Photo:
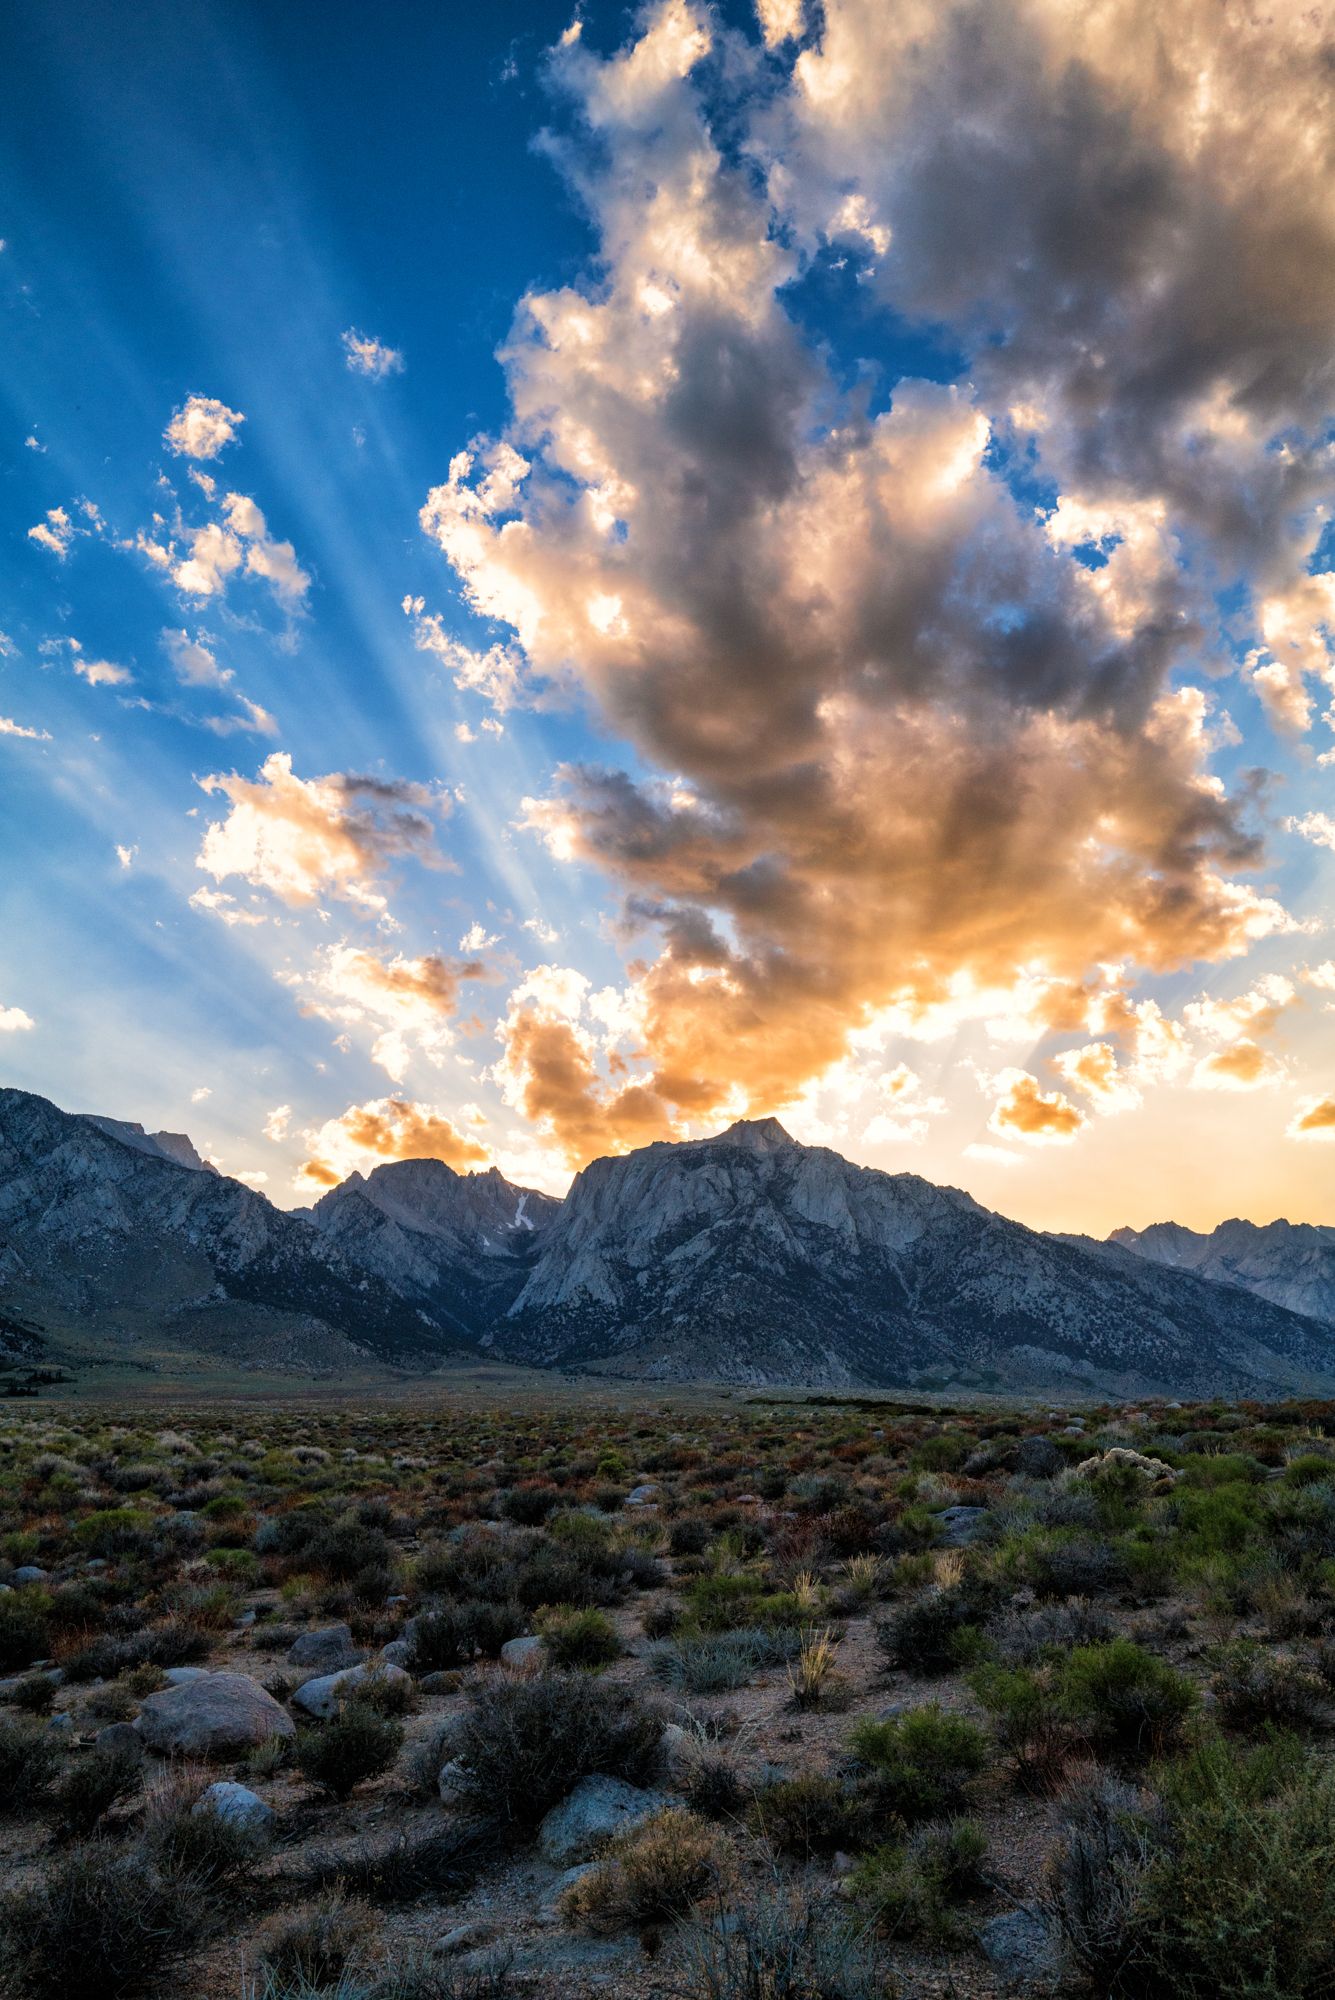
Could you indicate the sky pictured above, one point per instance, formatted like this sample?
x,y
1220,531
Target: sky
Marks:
x,y
566,578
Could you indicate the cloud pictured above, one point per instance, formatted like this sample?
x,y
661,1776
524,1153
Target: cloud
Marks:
x,y
412,1001
8,727
202,427
368,356
102,673
277,1122
895,736
56,533
240,541
1254,1012
1024,1111
993,1156
196,665
302,838
1243,1065
1314,1119
219,904
14,1021
780,20
497,674
203,1091
1096,1072
126,855
386,1128
1318,827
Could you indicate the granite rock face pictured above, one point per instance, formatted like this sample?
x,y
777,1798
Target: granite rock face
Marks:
x,y
1290,1263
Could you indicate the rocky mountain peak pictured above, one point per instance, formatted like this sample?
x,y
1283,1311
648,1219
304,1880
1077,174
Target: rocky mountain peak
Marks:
x,y
757,1135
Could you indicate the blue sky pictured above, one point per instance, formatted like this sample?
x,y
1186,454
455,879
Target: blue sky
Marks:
x,y
217,203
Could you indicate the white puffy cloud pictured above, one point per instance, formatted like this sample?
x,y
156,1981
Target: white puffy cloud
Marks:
x,y
126,855
102,673
13,1021
239,542
302,838
56,533
1318,827
410,1002
202,427
8,727
368,356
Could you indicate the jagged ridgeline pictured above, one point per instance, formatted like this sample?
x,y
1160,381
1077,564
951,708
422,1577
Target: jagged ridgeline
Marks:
x,y
744,1258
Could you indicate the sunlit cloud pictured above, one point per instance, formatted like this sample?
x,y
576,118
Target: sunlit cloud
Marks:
x,y
8,727
1314,1119
13,1021
386,1128
1025,1111
202,427
368,356
302,838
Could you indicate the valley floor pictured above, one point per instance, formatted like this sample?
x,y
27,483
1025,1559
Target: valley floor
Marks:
x,y
906,1701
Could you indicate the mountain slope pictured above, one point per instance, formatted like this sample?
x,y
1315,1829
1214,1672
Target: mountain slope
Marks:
x,y
102,1230
750,1258
1290,1263
461,1244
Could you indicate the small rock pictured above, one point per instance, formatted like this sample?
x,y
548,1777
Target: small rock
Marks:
x,y
120,1736
1022,1948
30,1573
328,1651
597,1809
320,1697
640,1496
237,1805
212,1715
246,1619
526,1652
549,1909
397,1653
61,1722
464,1937
452,1780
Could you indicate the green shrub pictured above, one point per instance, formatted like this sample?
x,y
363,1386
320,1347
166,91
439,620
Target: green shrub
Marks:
x,y
812,1813
30,1757
1255,1690
580,1638
450,1635
783,1946
116,1531
355,1744
101,1923
312,1948
653,1873
525,1743
94,1782
911,1887
25,1628
935,1633
1223,1891
920,1762
1123,1699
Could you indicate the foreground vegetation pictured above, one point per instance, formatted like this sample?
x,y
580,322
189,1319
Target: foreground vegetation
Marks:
x,y
859,1701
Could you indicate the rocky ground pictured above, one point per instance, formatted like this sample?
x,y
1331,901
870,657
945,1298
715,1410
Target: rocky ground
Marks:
x,y
752,1703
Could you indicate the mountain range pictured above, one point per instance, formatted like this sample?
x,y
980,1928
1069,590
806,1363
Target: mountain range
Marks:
x,y
747,1258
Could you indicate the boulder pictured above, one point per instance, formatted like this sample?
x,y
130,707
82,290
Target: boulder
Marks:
x,y
179,1677
527,1653
1022,1949
30,1573
120,1736
238,1806
641,1496
398,1653
215,1715
321,1697
328,1651
598,1809
960,1525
